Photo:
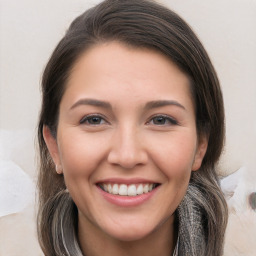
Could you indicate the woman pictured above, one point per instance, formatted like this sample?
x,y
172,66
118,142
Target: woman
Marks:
x,y
131,127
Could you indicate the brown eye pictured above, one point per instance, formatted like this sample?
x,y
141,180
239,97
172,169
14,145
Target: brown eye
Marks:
x,y
163,120
93,120
159,120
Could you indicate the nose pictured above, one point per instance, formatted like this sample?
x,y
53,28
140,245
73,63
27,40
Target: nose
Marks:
x,y
127,149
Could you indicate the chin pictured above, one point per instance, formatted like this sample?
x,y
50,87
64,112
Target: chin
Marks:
x,y
129,233
131,236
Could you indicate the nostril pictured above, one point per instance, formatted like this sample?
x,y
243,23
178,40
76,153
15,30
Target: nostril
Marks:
x,y
127,158
252,200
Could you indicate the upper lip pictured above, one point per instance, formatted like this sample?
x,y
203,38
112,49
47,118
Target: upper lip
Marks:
x,y
126,181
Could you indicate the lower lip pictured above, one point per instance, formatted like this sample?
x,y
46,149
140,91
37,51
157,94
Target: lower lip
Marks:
x,y
127,201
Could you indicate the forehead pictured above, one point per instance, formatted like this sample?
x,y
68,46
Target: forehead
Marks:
x,y
114,67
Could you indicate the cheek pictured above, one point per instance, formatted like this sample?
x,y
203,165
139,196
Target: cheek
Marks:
x,y
80,154
176,157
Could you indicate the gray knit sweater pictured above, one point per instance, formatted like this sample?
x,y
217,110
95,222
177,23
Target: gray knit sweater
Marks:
x,y
191,234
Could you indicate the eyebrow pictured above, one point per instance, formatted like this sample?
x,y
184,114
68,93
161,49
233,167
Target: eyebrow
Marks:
x,y
92,102
104,104
162,103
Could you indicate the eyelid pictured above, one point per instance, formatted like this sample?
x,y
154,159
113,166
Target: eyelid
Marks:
x,y
86,117
172,120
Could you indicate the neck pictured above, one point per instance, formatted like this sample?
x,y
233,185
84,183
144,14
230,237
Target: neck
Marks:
x,y
94,241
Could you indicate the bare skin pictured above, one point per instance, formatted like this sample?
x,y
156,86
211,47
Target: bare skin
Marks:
x,y
110,246
127,116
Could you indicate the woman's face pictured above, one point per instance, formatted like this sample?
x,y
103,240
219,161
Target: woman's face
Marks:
x,y
126,140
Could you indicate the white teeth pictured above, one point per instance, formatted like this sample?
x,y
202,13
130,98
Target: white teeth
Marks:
x,y
123,190
145,188
115,189
127,190
132,190
140,189
109,188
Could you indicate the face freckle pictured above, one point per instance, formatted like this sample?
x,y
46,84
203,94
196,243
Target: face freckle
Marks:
x,y
127,118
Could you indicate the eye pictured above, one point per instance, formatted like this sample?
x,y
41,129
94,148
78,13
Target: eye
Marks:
x,y
162,120
93,120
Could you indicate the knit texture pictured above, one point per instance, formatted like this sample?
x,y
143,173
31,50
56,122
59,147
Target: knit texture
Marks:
x,y
191,234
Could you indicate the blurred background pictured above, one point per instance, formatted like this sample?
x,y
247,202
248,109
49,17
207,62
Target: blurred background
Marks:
x,y
30,30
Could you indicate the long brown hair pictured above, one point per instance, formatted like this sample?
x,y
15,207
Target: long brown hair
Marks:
x,y
145,24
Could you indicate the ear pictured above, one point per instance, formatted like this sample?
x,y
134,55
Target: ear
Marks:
x,y
200,152
52,146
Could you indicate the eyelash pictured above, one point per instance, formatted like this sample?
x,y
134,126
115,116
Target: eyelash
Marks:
x,y
166,118
87,119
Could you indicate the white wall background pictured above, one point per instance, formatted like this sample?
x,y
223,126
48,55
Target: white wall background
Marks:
x,y
29,31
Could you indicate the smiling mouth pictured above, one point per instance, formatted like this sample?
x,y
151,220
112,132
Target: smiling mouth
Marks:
x,y
128,190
